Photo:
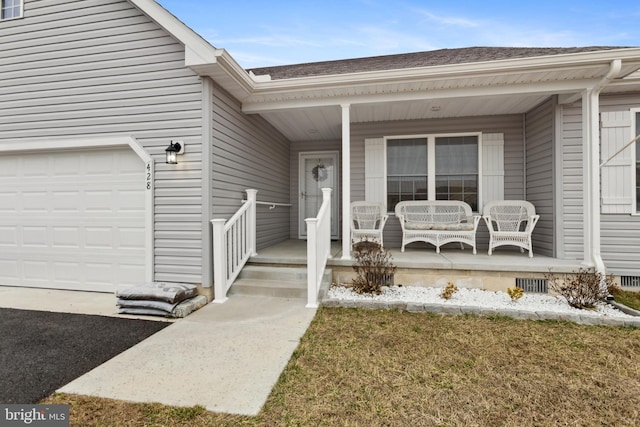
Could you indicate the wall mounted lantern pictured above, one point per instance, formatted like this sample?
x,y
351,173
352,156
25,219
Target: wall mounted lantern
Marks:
x,y
174,148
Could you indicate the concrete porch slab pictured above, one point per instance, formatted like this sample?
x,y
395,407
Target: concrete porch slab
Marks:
x,y
293,252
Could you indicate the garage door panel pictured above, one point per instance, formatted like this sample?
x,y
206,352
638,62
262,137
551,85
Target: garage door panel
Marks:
x,y
72,220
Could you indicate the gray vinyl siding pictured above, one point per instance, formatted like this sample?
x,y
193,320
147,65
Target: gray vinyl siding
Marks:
x,y
294,167
572,232
249,153
620,233
540,178
101,67
510,125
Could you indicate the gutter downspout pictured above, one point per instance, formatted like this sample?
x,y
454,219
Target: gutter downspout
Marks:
x,y
591,174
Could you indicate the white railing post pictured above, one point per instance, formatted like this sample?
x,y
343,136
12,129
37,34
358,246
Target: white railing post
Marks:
x,y
251,199
312,262
318,247
219,261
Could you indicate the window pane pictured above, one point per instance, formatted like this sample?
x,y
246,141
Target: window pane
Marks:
x,y
407,156
400,188
10,9
406,170
457,154
457,169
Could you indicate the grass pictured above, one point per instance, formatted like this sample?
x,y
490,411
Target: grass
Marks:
x,y
359,367
629,298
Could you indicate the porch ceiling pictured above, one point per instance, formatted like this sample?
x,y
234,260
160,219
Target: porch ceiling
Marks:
x,y
324,123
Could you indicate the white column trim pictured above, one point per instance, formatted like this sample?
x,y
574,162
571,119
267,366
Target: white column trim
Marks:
x,y
591,178
346,181
207,198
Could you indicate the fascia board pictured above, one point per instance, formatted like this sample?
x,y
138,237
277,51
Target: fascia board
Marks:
x,y
200,55
300,101
175,27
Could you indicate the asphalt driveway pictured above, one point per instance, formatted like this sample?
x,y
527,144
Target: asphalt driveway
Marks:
x,y
42,351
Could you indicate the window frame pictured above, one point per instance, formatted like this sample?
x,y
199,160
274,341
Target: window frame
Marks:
x,y
431,162
20,14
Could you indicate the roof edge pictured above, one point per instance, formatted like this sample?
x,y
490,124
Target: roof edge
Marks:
x,y
501,65
200,55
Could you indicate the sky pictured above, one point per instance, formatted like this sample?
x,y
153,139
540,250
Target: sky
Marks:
x,y
266,33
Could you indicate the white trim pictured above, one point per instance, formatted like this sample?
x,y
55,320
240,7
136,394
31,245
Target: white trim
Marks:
x,y
21,15
346,181
634,113
559,226
56,144
206,186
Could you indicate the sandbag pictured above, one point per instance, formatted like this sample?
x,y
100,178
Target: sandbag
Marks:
x,y
159,291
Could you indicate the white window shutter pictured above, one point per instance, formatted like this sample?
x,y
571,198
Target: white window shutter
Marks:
x,y
492,167
374,170
616,176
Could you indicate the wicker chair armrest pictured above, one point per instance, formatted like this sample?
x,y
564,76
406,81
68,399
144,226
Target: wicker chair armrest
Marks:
x,y
531,223
489,222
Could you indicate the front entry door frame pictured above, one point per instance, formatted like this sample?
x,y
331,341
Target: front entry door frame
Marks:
x,y
335,194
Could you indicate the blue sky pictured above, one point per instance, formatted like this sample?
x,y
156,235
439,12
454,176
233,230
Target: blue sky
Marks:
x,y
265,33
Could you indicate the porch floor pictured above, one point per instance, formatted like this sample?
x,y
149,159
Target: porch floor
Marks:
x,y
293,252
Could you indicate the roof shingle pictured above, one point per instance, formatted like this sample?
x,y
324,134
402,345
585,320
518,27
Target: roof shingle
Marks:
x,y
416,59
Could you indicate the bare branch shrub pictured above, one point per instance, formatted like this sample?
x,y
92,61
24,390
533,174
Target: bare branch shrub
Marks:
x,y
373,267
583,289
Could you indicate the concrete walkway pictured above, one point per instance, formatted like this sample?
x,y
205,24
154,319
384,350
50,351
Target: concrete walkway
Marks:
x,y
225,357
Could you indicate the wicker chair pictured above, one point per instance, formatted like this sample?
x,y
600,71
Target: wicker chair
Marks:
x,y
510,222
367,221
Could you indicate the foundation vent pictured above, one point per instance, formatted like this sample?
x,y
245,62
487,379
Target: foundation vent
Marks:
x,y
537,286
630,281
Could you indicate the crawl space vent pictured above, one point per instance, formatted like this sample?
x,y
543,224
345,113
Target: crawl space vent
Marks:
x,y
538,286
630,281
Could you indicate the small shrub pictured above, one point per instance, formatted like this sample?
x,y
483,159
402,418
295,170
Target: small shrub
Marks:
x,y
515,293
373,267
448,291
584,289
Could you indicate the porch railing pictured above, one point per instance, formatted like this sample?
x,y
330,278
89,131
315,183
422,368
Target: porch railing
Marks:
x,y
318,247
234,241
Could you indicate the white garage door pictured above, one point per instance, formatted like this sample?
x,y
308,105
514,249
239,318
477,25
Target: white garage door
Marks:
x,y
72,219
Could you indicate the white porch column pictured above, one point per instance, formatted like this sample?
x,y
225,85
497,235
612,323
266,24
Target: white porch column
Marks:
x,y
591,175
252,196
346,181
591,167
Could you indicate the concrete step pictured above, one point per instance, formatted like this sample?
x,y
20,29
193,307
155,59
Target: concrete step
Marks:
x,y
273,281
288,274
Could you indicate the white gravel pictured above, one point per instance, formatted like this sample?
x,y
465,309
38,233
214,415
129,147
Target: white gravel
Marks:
x,y
476,298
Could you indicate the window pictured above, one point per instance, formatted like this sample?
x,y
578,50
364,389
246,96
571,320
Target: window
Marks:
x,y
10,9
433,168
406,170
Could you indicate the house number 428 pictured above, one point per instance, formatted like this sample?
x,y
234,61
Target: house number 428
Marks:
x,y
148,175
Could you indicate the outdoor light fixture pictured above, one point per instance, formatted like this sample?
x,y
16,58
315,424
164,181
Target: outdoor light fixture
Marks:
x,y
174,148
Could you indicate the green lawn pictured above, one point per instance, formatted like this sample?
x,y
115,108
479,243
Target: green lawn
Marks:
x,y
358,367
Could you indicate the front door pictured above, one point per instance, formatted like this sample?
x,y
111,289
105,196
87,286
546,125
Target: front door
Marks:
x,y
317,170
